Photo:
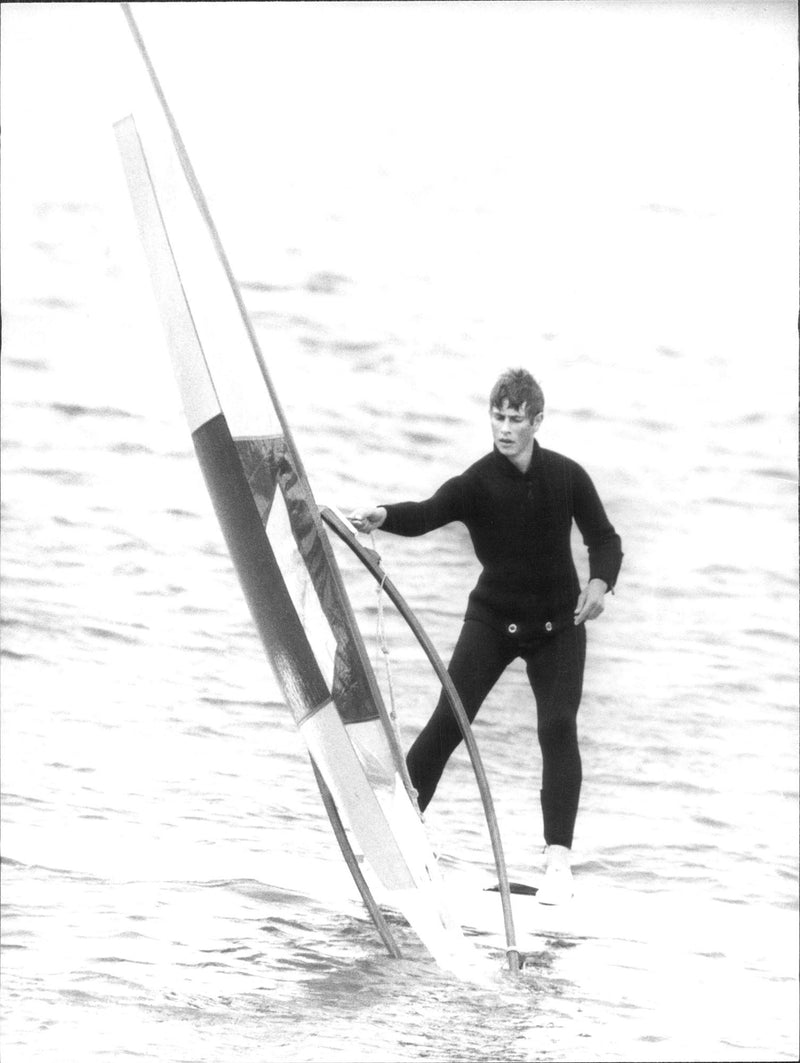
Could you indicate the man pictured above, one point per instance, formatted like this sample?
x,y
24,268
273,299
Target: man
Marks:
x,y
518,504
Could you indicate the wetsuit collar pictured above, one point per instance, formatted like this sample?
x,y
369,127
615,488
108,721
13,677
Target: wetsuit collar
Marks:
x,y
508,468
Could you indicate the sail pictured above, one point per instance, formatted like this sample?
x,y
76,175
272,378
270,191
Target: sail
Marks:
x,y
275,536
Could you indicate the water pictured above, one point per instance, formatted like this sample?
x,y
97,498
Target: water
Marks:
x,y
415,196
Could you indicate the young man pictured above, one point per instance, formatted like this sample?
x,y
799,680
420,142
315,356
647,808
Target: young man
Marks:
x,y
518,504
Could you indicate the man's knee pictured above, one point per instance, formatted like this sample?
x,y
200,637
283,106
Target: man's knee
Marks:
x,y
559,731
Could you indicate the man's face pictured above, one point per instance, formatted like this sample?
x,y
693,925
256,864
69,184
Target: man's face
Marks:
x,y
513,432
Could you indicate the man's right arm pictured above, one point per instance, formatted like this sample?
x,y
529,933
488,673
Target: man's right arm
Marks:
x,y
414,518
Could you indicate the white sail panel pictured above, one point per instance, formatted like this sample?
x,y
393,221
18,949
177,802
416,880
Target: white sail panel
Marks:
x,y
330,746
194,381
217,316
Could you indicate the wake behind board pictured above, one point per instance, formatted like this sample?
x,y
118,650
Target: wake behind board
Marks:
x,y
476,906
596,910
272,526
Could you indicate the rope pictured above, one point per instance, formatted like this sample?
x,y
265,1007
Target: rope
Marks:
x,y
382,644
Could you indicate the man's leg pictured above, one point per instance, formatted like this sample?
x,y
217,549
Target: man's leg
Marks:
x,y
480,657
555,670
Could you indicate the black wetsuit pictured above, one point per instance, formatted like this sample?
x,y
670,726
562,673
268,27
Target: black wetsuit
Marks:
x,y
521,606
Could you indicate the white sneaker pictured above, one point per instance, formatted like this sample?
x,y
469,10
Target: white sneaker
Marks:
x,y
556,886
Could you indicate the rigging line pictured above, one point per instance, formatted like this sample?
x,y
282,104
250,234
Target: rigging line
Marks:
x,y
382,642
383,646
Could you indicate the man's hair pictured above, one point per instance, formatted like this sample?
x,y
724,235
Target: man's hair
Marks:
x,y
518,388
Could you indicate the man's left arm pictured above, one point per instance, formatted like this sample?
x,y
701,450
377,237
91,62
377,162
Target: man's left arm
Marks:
x,y
602,542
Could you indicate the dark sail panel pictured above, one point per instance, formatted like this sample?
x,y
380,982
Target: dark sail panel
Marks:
x,y
265,463
262,581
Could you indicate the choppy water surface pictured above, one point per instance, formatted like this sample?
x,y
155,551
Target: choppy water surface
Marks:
x,y
171,890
